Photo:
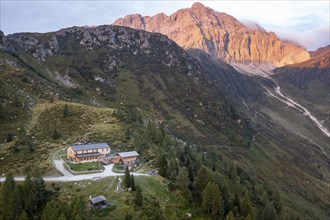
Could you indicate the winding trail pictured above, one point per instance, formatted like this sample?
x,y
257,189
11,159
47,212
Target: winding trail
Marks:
x,y
68,177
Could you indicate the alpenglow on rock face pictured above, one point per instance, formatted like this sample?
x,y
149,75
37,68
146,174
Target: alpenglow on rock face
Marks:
x,y
220,35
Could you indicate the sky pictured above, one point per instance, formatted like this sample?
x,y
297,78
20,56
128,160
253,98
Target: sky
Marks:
x,y
304,22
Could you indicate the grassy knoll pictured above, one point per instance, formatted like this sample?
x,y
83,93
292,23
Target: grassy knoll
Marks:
x,y
84,123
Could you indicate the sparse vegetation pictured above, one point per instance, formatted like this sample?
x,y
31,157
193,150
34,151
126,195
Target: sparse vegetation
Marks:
x,y
215,158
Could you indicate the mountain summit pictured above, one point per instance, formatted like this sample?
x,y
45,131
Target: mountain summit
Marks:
x,y
220,35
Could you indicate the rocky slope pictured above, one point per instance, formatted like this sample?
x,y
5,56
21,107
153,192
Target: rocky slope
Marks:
x,y
113,66
308,82
220,35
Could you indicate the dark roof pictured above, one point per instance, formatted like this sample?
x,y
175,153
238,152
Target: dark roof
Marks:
x,y
129,154
89,154
89,146
98,199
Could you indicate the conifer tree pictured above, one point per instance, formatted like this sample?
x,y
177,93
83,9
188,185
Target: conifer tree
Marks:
x,y
127,134
78,209
132,183
246,205
201,181
22,134
277,201
65,111
182,180
172,170
236,204
23,216
15,204
230,216
56,134
9,137
162,165
7,193
127,178
226,199
212,203
138,198
217,203
233,173
269,212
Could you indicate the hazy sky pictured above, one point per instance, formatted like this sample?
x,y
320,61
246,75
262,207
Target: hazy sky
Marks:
x,y
306,22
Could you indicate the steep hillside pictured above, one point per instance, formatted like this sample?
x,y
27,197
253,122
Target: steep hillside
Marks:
x,y
220,35
153,85
309,82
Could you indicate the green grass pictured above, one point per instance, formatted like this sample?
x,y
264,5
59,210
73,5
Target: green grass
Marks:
x,y
154,187
90,166
84,123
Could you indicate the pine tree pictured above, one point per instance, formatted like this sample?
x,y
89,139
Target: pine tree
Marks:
x,y
56,134
230,216
182,180
15,204
233,173
65,111
201,181
7,193
23,216
138,198
162,165
212,203
9,137
172,170
21,134
269,212
246,205
30,196
132,183
127,178
207,199
217,203
226,199
127,134
128,216
236,204
16,101
277,201
78,209
248,217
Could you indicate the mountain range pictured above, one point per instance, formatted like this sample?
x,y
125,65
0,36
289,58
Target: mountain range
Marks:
x,y
220,35
229,91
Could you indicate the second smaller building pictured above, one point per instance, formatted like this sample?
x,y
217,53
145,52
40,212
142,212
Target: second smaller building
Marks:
x,y
128,158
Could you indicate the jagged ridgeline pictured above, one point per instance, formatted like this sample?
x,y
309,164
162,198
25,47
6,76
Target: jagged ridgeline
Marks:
x,y
113,66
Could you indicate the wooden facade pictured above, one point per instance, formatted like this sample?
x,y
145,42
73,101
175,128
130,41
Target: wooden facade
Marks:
x,y
81,153
128,158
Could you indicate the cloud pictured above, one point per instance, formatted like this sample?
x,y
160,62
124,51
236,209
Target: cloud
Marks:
x,y
311,39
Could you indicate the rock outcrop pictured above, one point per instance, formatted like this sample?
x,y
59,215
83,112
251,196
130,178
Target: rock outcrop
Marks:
x,y
220,35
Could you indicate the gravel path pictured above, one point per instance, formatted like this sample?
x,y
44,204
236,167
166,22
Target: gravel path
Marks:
x,y
67,176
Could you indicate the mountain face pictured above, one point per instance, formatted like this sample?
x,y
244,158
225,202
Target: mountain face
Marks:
x,y
220,35
118,67
109,65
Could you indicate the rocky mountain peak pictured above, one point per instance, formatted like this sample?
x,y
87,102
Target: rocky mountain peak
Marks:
x,y
220,35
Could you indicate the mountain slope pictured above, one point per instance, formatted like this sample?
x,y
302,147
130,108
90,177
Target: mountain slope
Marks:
x,y
220,35
137,71
309,82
